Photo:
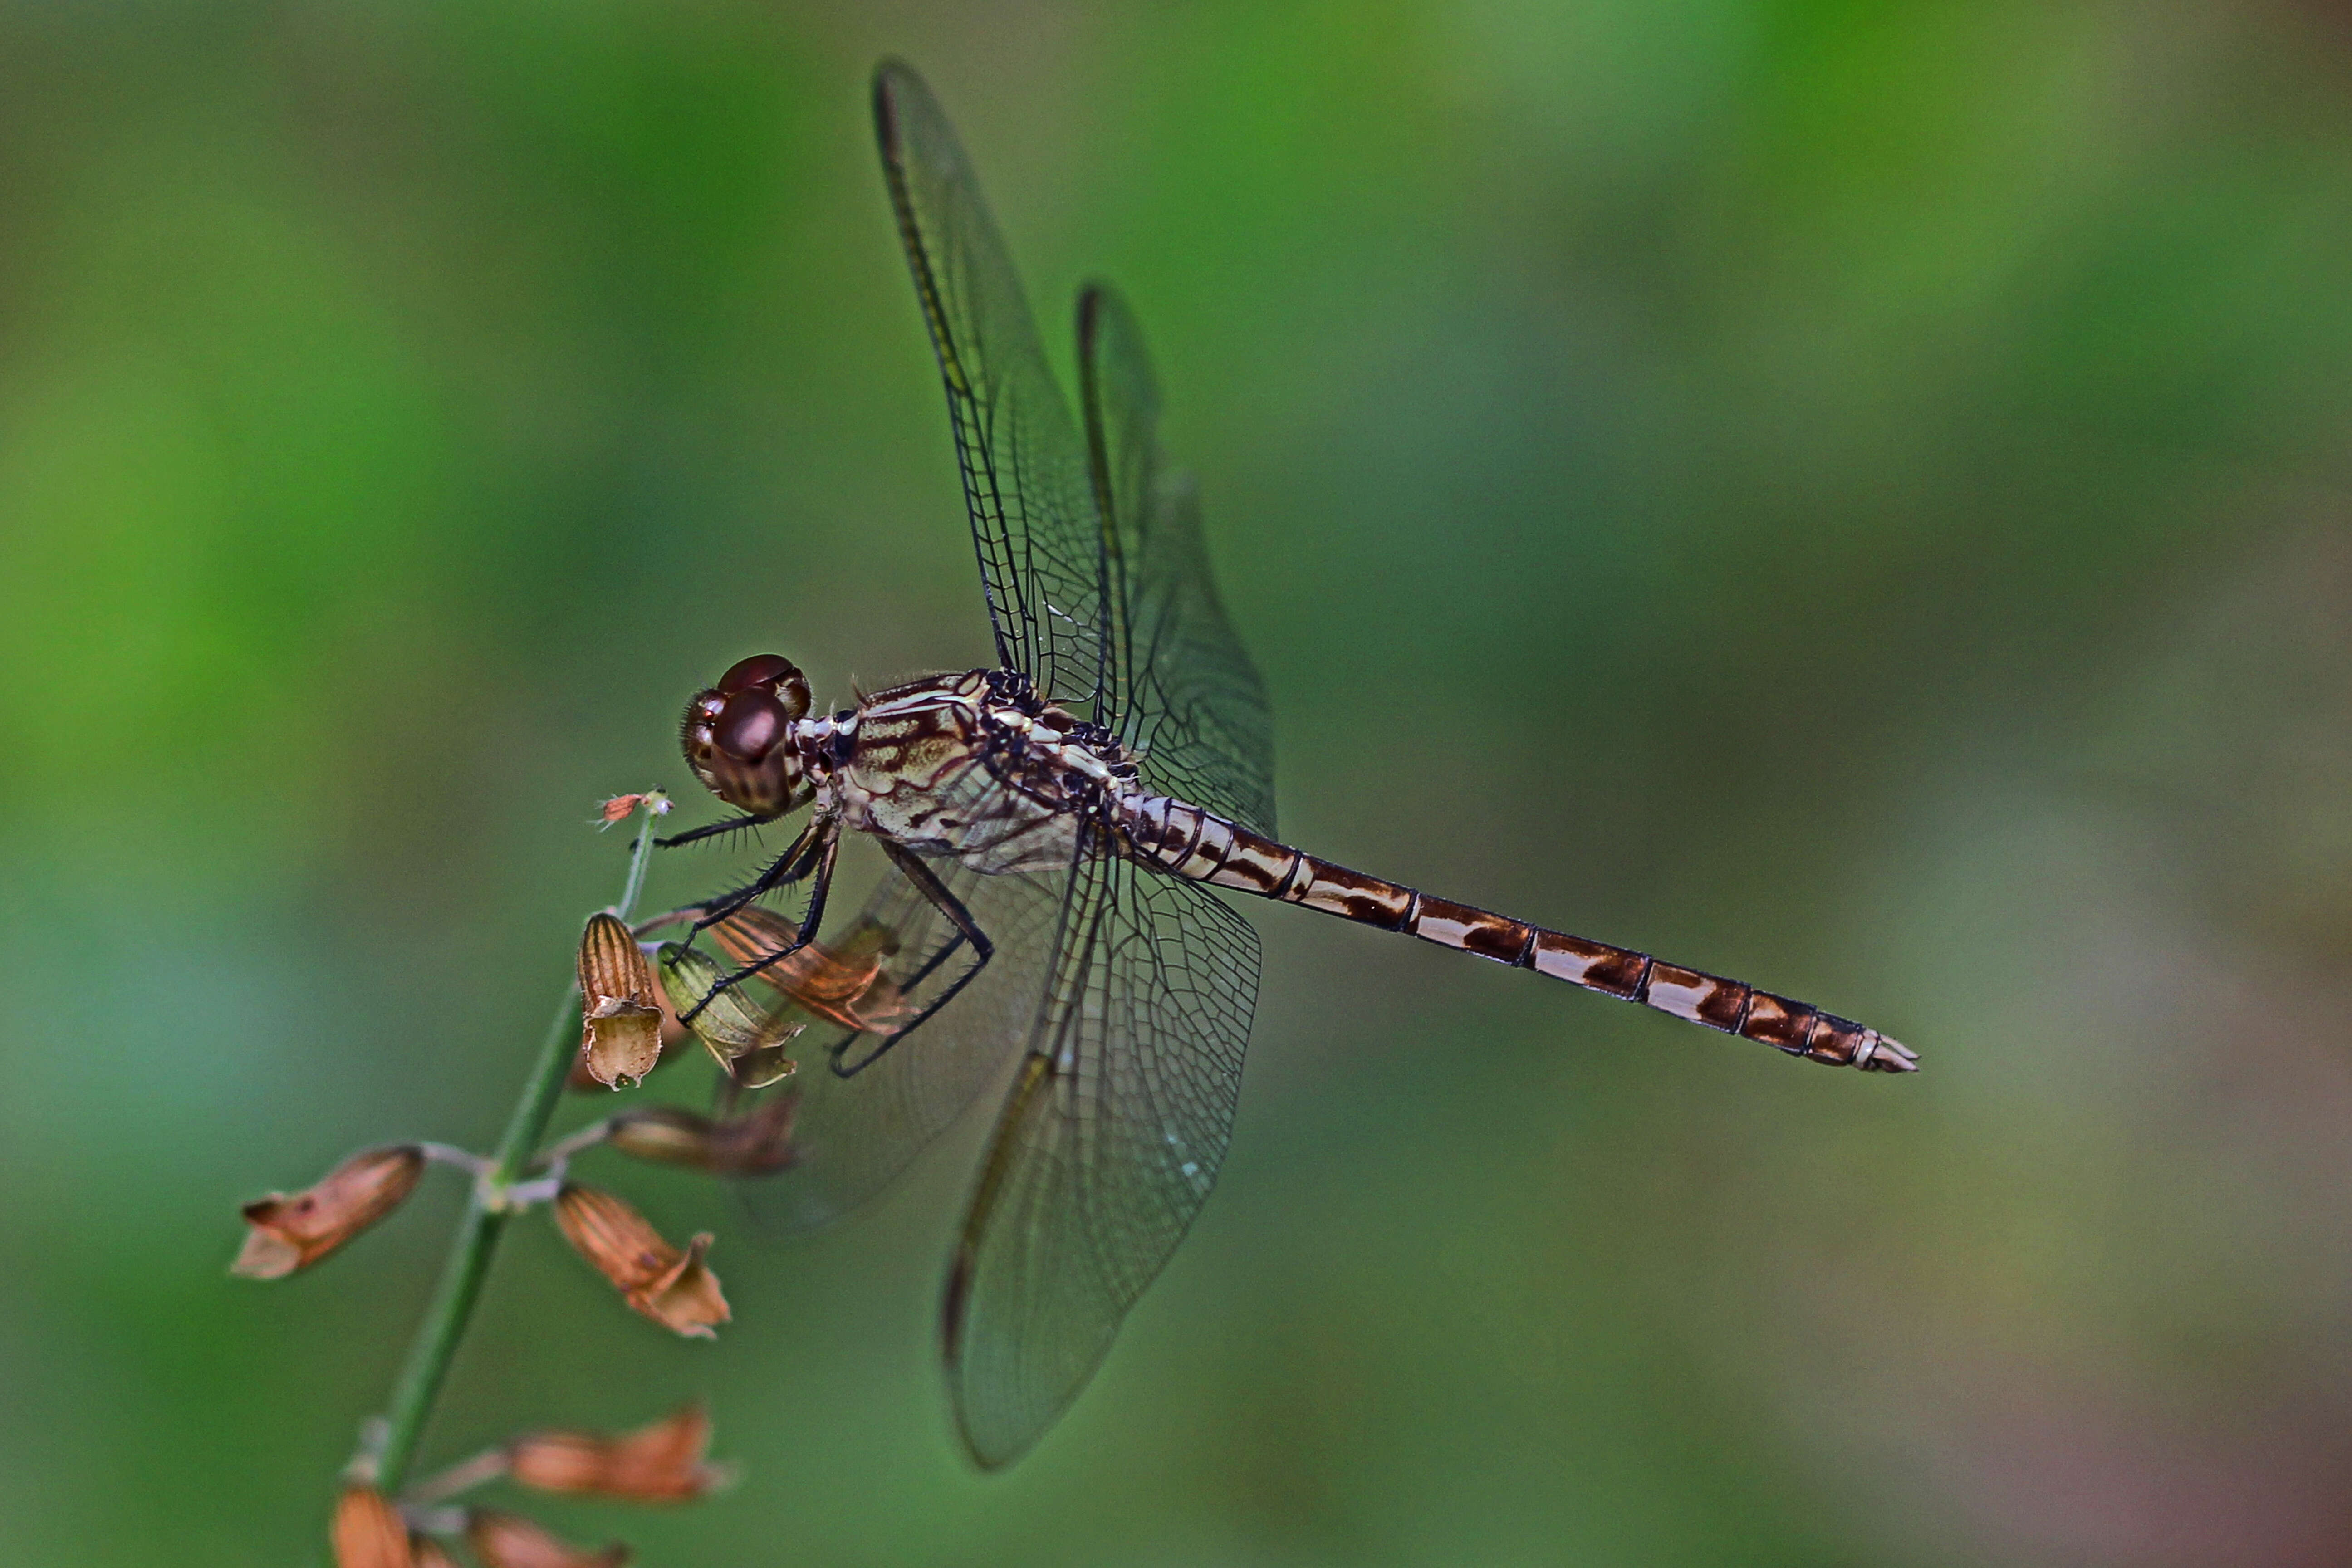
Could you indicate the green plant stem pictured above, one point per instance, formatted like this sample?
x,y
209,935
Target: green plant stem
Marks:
x,y
383,1460
443,1328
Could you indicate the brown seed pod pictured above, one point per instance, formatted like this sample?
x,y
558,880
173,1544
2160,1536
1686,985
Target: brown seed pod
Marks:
x,y
621,1013
510,1541
661,1463
755,1143
368,1532
672,1288
843,983
289,1231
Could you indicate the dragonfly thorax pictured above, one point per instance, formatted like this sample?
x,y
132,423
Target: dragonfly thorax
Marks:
x,y
972,765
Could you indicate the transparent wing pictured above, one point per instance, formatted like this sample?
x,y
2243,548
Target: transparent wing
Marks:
x,y
852,1135
1187,695
1025,470
1110,1141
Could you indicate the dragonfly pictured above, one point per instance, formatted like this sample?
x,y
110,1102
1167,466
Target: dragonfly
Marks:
x,y
1051,829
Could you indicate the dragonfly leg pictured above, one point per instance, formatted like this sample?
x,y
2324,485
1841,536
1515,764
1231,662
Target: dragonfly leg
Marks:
x,y
795,864
821,853
711,830
927,882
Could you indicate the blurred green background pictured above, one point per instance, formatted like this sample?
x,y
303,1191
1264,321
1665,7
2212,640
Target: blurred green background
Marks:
x,y
1852,496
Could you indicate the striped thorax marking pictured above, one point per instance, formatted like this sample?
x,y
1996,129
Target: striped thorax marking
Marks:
x,y
971,766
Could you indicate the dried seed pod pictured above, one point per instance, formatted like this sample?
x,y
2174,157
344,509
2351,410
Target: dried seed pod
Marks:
x,y
661,1463
732,1025
510,1541
620,1015
764,1067
675,1037
287,1231
752,1144
758,1142
685,1300
672,1288
368,1532
665,1134
842,984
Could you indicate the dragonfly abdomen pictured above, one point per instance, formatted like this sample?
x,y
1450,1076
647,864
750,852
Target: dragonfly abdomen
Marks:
x,y
1187,841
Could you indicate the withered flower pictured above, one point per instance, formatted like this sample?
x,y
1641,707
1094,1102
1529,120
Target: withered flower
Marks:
x,y
660,1463
509,1540
665,1134
291,1231
763,1067
842,984
672,1288
758,1142
731,1025
618,807
368,1532
620,1018
674,1036
755,1143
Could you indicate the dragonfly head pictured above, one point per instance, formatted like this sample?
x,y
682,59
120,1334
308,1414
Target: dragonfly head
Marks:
x,y
738,736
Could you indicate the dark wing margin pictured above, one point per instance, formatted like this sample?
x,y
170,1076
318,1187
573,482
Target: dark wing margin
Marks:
x,y
1187,695
1025,482
1108,1144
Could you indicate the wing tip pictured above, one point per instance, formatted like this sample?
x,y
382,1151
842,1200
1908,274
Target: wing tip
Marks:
x,y
1101,305
1090,309
894,79
955,1302
990,1455
987,1464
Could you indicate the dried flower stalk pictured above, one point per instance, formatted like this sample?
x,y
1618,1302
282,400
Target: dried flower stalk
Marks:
x,y
620,1024
385,1454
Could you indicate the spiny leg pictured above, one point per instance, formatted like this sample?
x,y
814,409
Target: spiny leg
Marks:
x,y
790,867
926,882
711,830
824,855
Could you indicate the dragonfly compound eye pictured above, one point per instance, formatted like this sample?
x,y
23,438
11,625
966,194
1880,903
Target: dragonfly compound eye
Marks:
x,y
750,725
734,743
772,673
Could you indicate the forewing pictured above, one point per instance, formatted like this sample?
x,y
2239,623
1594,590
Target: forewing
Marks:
x,y
852,1135
1110,1139
1188,698
1024,470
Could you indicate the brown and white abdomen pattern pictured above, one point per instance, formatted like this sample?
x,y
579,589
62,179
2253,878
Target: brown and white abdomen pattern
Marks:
x,y
1187,841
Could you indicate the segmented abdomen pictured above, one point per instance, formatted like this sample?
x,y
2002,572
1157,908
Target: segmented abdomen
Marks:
x,y
1187,841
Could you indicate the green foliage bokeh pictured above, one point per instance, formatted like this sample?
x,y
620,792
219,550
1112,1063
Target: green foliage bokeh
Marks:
x,y
1850,496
